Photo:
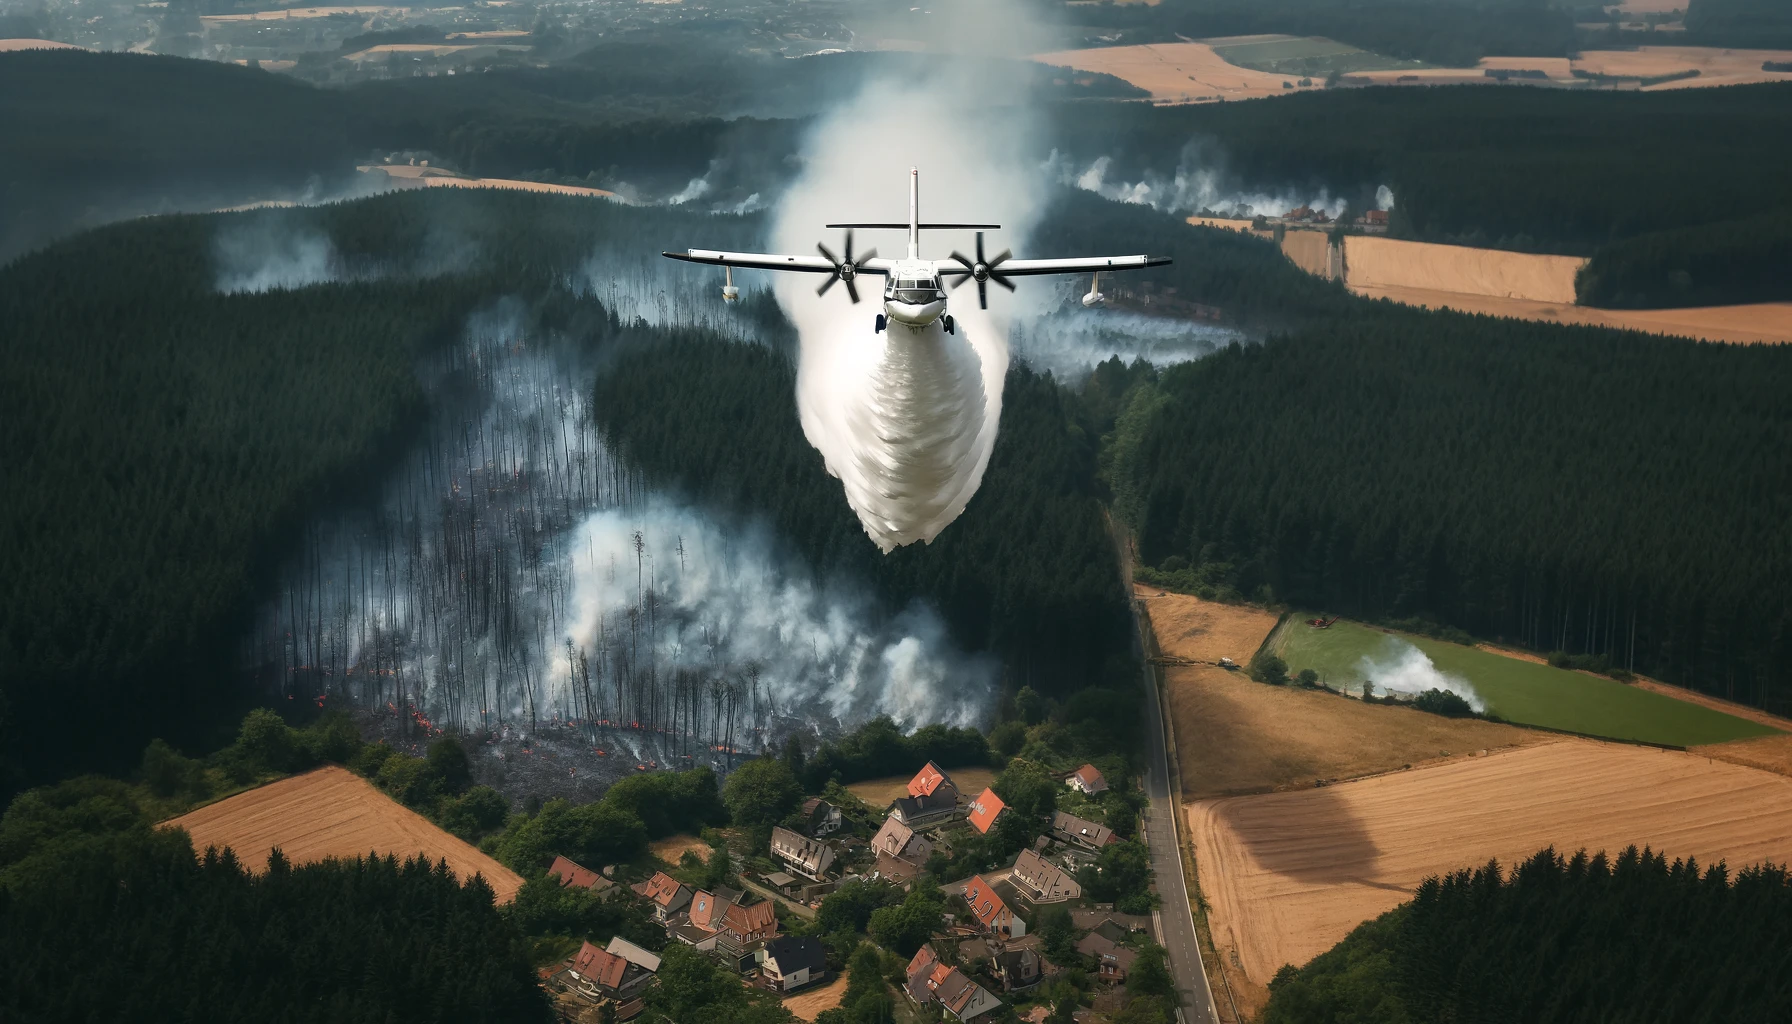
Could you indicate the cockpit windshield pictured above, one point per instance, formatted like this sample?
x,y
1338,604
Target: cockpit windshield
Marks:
x,y
916,291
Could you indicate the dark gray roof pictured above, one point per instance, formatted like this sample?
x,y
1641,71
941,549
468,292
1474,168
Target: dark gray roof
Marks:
x,y
794,953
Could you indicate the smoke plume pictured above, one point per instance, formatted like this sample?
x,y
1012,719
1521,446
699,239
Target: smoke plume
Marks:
x,y
1399,667
1200,183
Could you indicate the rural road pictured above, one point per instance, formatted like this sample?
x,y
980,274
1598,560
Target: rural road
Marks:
x,y
1177,931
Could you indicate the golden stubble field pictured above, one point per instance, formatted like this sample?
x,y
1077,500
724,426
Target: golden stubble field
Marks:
x,y
877,793
332,812
1287,875
1173,72
1371,262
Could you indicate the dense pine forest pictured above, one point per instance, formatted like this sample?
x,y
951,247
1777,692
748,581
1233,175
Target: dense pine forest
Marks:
x,y
1556,940
1568,489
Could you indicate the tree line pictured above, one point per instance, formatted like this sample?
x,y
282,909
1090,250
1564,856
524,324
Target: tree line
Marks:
x,y
1595,492
1559,939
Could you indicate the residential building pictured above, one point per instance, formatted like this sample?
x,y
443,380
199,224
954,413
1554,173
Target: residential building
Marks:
x,y
930,981
932,799
901,852
600,974
1113,962
1017,969
1042,881
570,873
743,929
807,857
1081,831
989,910
634,954
706,911
932,780
667,894
790,963
985,810
821,818
1087,781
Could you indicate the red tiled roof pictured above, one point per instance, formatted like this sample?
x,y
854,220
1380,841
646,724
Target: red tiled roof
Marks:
x,y
703,911
570,873
661,888
1090,777
758,920
923,959
599,967
926,780
985,905
985,810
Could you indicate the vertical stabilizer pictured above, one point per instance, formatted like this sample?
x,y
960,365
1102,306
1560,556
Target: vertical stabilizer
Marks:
x,y
914,213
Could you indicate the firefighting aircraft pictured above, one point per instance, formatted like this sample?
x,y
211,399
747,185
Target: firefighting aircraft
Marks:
x,y
912,292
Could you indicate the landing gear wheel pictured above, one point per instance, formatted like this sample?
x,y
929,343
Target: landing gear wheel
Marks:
x,y
881,323
951,325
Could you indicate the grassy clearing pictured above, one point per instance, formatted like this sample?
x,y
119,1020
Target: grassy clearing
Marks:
x,y
1522,692
1309,55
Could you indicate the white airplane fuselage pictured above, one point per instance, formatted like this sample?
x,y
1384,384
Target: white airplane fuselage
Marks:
x,y
912,293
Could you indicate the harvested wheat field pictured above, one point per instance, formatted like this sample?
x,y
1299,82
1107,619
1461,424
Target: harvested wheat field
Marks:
x,y
416,176
673,848
289,13
10,45
1205,631
1715,65
1310,251
809,1005
1173,72
1768,323
1372,262
1290,874
877,793
332,812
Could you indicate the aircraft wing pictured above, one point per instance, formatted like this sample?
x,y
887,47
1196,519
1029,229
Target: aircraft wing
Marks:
x,y
773,261
1077,265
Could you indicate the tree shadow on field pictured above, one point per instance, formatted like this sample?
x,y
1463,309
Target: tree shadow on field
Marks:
x,y
1310,835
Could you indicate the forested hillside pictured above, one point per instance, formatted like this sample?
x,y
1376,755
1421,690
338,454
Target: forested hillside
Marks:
x,y
1560,939
1745,260
1027,572
1566,489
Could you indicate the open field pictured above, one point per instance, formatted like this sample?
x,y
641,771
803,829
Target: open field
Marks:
x,y
332,812
1309,250
1238,736
1173,72
1523,692
1761,323
1370,262
1716,66
299,13
877,793
672,848
1289,874
1302,56
810,1004
413,176
9,45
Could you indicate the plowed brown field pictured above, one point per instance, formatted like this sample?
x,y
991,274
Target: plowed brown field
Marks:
x,y
332,812
1290,874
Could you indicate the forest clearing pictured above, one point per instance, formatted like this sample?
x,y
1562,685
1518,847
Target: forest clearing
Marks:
x,y
1172,72
877,793
1287,875
1347,654
673,848
332,812
1234,735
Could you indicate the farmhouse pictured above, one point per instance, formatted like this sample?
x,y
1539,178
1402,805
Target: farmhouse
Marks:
x,y
807,857
1042,881
932,798
1087,781
667,894
790,963
1081,831
990,911
985,810
571,874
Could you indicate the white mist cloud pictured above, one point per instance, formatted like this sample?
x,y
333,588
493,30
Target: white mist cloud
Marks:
x,y
1384,197
1200,182
1069,342
1400,667
252,255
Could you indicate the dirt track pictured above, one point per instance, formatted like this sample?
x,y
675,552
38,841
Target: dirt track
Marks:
x,y
1289,874
332,812
1174,72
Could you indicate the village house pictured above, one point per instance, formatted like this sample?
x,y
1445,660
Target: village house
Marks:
x,y
989,910
667,894
1042,881
600,974
634,954
807,857
743,929
1087,781
932,798
820,818
930,981
985,810
1113,962
901,853
571,874
790,963
1017,969
1081,831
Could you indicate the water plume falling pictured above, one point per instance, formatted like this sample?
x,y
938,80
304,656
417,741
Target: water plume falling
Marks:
x,y
1400,667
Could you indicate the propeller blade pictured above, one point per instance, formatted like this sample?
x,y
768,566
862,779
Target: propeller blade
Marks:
x,y
999,260
1004,282
827,254
849,245
870,254
829,283
982,295
852,291
980,247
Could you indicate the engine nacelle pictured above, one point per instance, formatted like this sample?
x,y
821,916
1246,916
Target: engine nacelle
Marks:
x,y
730,293
1094,298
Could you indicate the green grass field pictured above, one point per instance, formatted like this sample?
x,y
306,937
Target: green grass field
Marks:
x,y
1308,56
1521,692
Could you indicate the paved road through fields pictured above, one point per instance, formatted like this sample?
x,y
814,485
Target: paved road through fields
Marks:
x,y
1177,921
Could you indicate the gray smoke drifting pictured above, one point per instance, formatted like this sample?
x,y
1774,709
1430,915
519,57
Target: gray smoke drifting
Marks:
x,y
1399,667
256,257
1072,340
1199,184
